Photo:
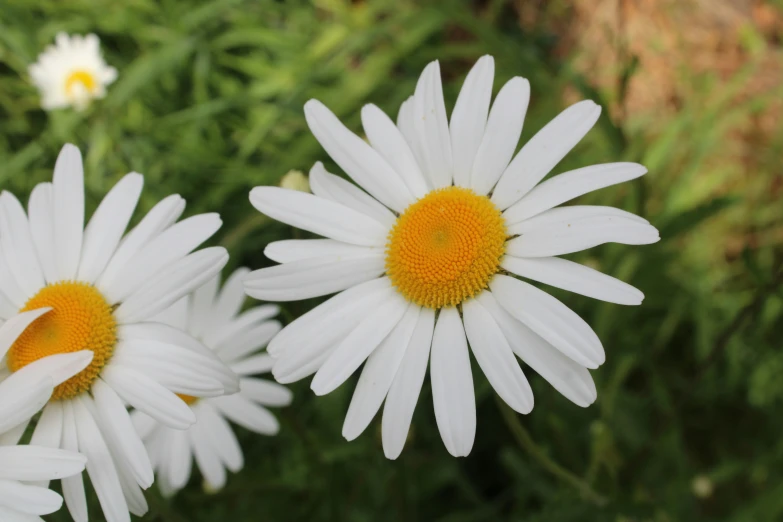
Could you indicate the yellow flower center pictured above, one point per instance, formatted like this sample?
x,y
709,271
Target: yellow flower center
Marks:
x,y
187,399
445,247
80,319
83,78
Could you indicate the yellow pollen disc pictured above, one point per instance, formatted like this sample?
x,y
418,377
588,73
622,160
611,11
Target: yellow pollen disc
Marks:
x,y
445,247
80,319
187,399
84,78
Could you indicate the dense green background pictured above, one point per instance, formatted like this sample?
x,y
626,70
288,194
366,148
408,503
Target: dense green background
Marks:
x,y
209,104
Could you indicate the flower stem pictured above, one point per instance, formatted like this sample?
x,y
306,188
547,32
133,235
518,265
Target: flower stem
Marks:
x,y
527,443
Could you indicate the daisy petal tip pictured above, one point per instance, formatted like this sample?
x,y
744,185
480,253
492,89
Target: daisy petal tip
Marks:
x,y
391,455
314,109
319,387
349,434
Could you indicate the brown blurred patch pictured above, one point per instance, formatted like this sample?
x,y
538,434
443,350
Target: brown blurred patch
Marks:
x,y
678,44
671,38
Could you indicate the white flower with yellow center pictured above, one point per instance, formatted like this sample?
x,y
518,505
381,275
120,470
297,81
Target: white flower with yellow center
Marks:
x,y
425,256
72,72
22,395
69,288
214,318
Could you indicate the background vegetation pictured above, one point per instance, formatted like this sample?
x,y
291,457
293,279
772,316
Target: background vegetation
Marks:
x,y
689,415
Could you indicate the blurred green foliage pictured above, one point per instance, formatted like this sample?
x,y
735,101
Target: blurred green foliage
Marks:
x,y
208,104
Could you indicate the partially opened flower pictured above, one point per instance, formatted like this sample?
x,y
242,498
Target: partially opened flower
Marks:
x,y
213,316
22,395
72,72
68,288
425,252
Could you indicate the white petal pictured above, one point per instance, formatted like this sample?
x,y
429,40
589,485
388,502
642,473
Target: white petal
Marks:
x,y
68,199
334,188
544,151
247,414
358,345
49,430
59,367
180,459
117,422
570,214
387,139
405,124
18,248
378,374
171,284
29,396
100,466
230,299
207,459
32,386
312,277
171,246
223,337
175,315
452,384
143,424
307,327
495,357
550,319
158,219
11,290
148,396
405,389
33,463
107,225
265,393
357,158
162,333
32,500
221,437
254,365
13,327
567,377
318,215
289,250
469,118
11,515
200,306
579,233
309,341
574,277
248,342
7,308
432,127
41,210
570,185
175,367
14,435
73,486
501,136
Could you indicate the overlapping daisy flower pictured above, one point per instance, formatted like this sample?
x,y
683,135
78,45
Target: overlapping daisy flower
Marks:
x,y
66,288
214,317
72,72
428,251
22,497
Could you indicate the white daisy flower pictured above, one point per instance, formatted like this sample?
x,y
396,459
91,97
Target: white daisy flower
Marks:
x,y
68,288
21,396
72,72
213,316
425,257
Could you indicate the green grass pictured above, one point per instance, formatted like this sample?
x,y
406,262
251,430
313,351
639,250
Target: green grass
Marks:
x,y
209,104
